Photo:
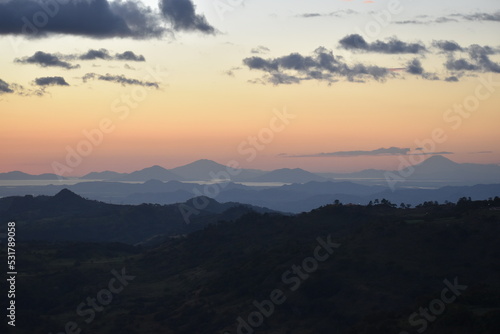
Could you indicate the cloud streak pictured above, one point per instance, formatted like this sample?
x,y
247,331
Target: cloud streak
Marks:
x,y
120,79
356,42
478,17
391,151
104,54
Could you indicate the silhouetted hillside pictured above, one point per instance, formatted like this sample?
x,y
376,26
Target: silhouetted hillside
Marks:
x,y
69,217
379,267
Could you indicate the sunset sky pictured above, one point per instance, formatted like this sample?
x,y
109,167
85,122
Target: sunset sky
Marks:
x,y
172,81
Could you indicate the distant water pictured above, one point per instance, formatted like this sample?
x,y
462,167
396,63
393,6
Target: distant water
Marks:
x,y
248,184
70,182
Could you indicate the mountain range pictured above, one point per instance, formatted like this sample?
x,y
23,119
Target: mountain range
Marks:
x,y
434,171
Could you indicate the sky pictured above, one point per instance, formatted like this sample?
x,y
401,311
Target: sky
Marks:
x,y
324,85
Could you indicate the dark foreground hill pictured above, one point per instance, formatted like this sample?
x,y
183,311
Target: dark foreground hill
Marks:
x,y
70,217
337,269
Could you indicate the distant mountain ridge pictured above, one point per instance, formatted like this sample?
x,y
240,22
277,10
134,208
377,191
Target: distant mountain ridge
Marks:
x,y
434,168
20,176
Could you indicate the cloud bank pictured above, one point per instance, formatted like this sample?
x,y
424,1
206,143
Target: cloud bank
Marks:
x,y
356,42
99,18
321,65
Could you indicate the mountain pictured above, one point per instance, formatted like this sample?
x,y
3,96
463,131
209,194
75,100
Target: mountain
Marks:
x,y
199,170
20,176
206,170
287,175
439,167
70,217
437,164
154,172
432,172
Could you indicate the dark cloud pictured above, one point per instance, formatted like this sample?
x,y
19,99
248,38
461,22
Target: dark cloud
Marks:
x,y
104,54
393,46
95,54
260,49
451,79
51,81
94,18
121,79
478,60
460,65
5,87
480,55
414,66
181,14
46,60
130,56
139,18
322,66
447,46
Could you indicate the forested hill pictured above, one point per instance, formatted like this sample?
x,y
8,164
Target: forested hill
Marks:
x,y
339,268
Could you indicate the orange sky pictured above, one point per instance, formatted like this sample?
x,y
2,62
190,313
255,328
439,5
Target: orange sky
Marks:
x,y
201,112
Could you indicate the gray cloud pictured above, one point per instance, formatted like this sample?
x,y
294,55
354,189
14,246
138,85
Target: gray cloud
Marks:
x,y
338,13
415,67
46,60
480,17
95,19
356,42
5,87
95,54
260,49
130,56
140,19
452,79
181,14
447,46
378,152
481,152
51,81
478,60
121,79
105,55
322,66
